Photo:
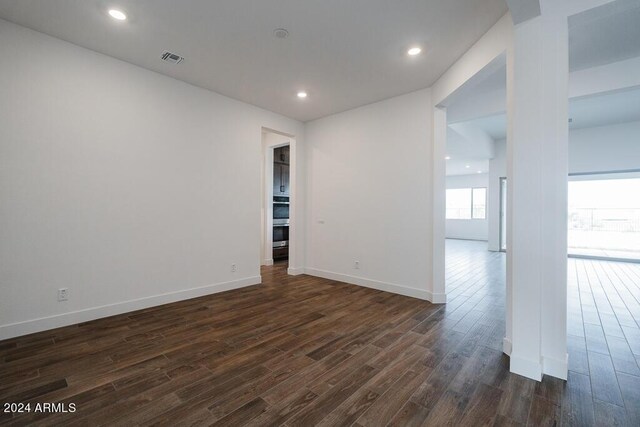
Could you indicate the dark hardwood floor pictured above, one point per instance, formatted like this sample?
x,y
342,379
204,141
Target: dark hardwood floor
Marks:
x,y
309,351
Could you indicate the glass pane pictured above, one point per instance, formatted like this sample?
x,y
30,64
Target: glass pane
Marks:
x,y
604,218
479,203
459,203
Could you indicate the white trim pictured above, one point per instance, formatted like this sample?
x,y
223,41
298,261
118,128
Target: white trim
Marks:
x,y
267,262
438,298
506,346
555,368
65,319
375,284
526,367
295,271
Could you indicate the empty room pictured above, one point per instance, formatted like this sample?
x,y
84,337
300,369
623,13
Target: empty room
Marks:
x,y
297,212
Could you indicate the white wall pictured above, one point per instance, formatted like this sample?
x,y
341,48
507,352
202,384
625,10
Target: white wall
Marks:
x,y
368,182
596,149
468,229
605,148
125,186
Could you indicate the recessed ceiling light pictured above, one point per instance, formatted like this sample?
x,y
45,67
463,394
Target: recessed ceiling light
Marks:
x,y
467,166
479,171
414,51
302,94
448,158
117,14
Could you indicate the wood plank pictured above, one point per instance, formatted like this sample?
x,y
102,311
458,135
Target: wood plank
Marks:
x,y
604,382
630,388
305,350
544,412
326,403
384,409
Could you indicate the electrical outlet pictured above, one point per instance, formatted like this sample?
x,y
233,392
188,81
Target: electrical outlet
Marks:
x,y
63,294
356,265
234,268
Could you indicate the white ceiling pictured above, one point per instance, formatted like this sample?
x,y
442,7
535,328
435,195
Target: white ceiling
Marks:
x,y
343,53
459,166
592,111
494,126
607,109
605,34
599,36
468,148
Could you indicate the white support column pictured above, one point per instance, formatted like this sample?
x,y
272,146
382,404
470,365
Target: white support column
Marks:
x,y
537,156
438,291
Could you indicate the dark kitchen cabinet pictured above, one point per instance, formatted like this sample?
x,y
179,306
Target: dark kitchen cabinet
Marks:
x,y
280,253
280,179
281,155
281,171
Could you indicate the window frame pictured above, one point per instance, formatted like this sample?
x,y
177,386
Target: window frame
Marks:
x,y
486,191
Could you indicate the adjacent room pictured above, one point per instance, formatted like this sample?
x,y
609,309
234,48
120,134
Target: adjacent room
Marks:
x,y
288,212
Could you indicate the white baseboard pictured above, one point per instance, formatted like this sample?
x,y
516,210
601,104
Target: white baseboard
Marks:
x,y
375,284
437,298
506,346
65,319
526,367
267,262
556,368
295,271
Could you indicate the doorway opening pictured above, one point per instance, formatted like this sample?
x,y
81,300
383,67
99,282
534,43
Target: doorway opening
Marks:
x,y
281,203
278,197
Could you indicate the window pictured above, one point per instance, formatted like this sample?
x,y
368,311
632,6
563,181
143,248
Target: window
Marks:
x,y
479,202
604,216
459,203
466,203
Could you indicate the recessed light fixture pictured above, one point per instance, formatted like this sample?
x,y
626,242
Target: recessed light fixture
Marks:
x,y
117,14
467,166
414,51
302,94
479,171
448,158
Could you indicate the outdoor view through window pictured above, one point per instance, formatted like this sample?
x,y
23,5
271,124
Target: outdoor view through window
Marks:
x,y
604,217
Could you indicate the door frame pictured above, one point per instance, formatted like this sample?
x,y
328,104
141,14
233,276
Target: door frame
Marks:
x,y
266,232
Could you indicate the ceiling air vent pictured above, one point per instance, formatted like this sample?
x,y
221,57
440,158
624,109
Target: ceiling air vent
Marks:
x,y
171,57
